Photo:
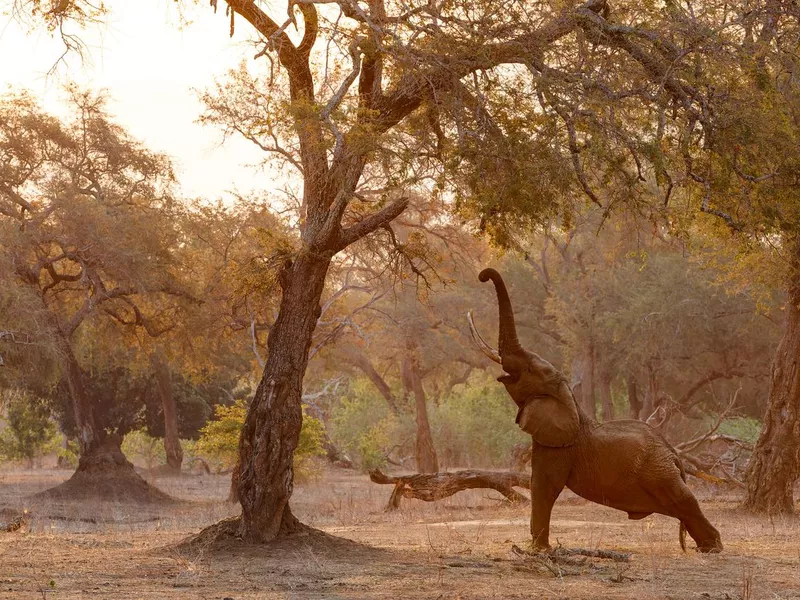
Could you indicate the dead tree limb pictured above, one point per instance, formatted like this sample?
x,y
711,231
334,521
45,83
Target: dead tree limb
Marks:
x,y
697,466
720,437
435,486
702,470
560,552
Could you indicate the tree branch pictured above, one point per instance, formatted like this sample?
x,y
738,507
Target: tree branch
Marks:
x,y
372,222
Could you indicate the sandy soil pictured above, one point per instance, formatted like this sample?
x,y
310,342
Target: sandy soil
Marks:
x,y
456,548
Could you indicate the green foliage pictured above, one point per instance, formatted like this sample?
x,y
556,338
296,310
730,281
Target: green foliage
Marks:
x,y
219,441
474,426
471,426
138,444
189,451
744,428
309,448
30,432
69,454
363,426
219,438
375,444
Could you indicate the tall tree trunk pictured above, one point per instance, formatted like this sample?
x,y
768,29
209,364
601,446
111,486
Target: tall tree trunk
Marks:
x,y
634,402
272,427
172,442
427,461
606,402
366,366
588,383
652,393
89,437
775,465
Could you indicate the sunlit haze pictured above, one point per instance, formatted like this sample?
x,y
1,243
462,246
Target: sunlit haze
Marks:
x,y
150,60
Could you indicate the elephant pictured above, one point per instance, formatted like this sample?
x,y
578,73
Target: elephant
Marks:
x,y
623,464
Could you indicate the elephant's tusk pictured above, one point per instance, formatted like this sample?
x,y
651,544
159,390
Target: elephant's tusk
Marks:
x,y
481,343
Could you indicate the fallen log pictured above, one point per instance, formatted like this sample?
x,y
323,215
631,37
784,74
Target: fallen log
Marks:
x,y
435,486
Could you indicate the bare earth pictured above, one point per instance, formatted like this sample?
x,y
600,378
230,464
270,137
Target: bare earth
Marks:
x,y
455,548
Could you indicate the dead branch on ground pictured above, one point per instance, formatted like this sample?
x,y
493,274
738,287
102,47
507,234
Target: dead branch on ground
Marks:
x,y
435,486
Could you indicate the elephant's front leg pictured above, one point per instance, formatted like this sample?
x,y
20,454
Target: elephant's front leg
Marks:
x,y
549,473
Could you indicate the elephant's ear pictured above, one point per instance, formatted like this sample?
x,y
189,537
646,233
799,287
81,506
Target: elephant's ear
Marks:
x,y
550,420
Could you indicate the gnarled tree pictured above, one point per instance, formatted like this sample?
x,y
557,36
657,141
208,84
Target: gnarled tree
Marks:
x,y
85,232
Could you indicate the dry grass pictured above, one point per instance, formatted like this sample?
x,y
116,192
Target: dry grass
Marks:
x,y
457,548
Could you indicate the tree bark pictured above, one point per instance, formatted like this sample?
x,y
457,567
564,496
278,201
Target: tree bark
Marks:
x,y
172,442
427,461
634,403
272,427
775,463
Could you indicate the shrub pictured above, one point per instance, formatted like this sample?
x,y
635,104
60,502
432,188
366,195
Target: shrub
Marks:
x,y
29,433
219,438
365,428
69,455
140,445
746,429
474,426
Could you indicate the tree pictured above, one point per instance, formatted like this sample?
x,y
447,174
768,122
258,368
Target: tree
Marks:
x,y
29,432
744,164
85,229
645,300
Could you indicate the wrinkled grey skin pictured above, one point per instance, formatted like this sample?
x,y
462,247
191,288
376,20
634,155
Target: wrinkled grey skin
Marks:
x,y
622,464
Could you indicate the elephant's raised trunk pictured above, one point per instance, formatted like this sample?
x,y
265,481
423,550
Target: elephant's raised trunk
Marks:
x,y
508,343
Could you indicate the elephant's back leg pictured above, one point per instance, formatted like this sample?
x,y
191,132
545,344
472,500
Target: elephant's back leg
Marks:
x,y
676,500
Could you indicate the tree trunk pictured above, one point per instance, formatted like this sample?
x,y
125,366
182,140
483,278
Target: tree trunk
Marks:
x,y
606,402
775,464
366,366
634,402
272,427
105,474
172,442
89,437
651,395
427,462
588,384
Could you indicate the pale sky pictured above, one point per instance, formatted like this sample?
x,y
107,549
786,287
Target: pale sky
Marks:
x,y
149,63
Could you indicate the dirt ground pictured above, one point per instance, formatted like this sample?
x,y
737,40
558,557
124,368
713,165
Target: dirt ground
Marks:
x,y
456,548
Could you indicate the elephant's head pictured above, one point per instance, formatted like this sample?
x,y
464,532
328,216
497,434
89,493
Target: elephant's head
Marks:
x,y
547,408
